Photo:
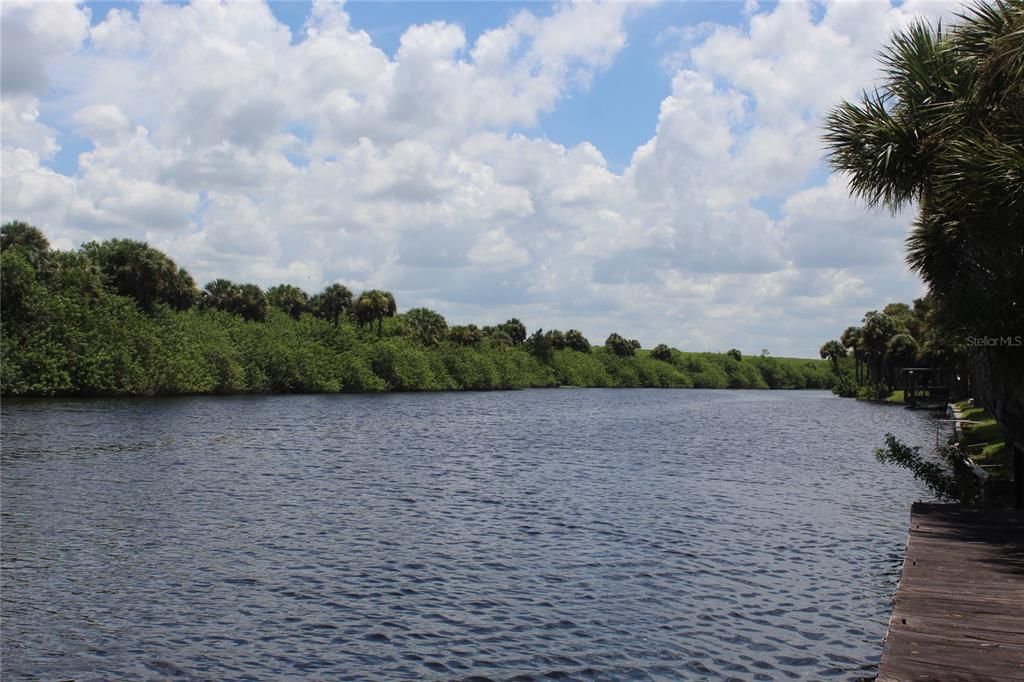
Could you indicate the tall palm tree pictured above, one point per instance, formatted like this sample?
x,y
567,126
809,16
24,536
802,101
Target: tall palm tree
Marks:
x,y
515,329
135,269
575,340
426,325
902,351
29,237
251,302
289,298
944,132
851,339
333,301
247,300
833,351
373,306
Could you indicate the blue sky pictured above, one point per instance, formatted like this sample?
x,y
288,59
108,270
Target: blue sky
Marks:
x,y
617,113
654,169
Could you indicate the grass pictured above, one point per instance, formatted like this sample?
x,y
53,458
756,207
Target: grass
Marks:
x,y
894,397
993,453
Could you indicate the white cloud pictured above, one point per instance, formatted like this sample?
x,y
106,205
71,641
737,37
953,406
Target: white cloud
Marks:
x,y
104,124
249,154
29,189
19,119
824,227
497,250
118,32
33,36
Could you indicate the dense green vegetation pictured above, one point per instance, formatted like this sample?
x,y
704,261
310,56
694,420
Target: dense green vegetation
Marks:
x,y
121,318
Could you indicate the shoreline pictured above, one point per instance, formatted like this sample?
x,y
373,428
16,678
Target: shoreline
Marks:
x,y
125,396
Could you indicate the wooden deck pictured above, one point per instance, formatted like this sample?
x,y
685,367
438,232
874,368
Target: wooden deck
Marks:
x,y
959,608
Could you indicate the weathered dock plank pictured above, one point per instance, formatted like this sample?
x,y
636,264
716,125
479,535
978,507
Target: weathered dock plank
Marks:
x,y
959,609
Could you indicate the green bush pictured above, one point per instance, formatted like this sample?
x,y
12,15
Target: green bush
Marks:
x,y
405,366
574,368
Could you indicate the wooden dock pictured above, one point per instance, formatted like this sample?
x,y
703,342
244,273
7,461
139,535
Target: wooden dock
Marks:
x,y
959,608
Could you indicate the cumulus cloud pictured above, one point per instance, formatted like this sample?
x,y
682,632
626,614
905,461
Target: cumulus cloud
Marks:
x,y
29,189
34,35
22,129
497,250
104,124
249,153
824,228
118,32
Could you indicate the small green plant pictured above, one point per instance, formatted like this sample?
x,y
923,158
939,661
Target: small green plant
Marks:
x,y
951,478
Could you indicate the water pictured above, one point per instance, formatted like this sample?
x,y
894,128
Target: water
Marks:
x,y
606,534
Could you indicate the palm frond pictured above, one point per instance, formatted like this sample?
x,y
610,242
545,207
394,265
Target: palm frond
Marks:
x,y
881,152
946,130
920,69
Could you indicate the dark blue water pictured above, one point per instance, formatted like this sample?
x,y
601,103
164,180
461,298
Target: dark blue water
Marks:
x,y
584,533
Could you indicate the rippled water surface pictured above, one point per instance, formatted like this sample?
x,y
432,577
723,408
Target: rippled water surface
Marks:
x,y
567,533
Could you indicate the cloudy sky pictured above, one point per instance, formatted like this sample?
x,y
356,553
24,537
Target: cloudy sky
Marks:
x,y
654,169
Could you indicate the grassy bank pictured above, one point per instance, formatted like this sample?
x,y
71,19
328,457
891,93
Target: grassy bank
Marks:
x,y
983,442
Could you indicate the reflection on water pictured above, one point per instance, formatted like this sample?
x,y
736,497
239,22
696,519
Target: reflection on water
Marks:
x,y
585,533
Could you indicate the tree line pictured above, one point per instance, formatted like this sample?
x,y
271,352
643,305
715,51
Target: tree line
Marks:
x,y
868,359
120,317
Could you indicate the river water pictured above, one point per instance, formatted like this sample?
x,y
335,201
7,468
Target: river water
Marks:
x,y
609,534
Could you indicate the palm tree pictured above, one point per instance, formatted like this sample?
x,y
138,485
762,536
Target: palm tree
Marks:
x,y
661,352
876,333
833,351
252,303
30,238
426,325
902,351
465,335
331,303
621,346
247,300
220,294
515,329
291,299
135,269
575,340
557,338
851,339
373,306
944,132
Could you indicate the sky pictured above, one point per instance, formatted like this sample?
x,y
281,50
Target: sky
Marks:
x,y
654,169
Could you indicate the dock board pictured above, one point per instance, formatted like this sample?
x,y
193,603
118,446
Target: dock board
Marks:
x,y
959,608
